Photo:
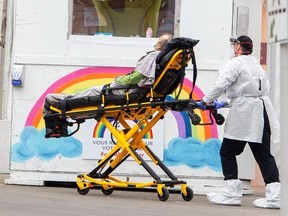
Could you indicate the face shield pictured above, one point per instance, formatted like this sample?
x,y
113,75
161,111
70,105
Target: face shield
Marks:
x,y
234,41
245,42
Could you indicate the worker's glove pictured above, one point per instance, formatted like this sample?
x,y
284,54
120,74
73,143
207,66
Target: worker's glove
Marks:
x,y
211,106
220,104
201,105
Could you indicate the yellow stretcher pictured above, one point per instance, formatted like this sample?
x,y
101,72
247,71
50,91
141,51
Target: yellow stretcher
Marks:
x,y
171,70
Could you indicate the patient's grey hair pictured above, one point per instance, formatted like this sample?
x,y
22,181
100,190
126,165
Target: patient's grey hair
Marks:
x,y
164,39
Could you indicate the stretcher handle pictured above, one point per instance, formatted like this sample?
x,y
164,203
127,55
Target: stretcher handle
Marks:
x,y
212,108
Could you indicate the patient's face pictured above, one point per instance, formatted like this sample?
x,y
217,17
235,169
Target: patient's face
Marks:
x,y
158,46
159,43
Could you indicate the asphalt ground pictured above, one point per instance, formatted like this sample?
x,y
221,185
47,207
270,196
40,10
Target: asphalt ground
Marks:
x,y
64,200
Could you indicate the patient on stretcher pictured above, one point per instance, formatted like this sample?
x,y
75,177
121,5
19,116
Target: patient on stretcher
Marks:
x,y
142,75
156,75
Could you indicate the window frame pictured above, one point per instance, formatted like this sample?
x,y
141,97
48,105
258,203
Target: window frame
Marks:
x,y
70,20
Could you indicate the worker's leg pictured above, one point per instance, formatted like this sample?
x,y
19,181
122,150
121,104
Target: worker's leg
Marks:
x,y
229,150
263,156
231,192
268,167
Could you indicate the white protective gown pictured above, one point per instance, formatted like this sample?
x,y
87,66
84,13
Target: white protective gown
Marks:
x,y
247,87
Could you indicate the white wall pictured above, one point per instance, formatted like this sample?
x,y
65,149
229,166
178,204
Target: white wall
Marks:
x,y
42,44
41,28
211,23
42,37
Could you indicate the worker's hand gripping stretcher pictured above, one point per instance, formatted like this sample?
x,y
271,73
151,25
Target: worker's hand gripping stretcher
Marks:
x,y
212,108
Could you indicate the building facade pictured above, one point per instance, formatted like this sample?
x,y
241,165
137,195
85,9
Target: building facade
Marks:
x,y
70,45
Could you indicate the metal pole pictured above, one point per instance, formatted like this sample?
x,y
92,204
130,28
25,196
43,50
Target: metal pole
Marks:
x,y
284,128
7,60
2,34
284,121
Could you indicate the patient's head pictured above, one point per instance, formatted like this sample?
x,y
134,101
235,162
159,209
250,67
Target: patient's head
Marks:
x,y
162,41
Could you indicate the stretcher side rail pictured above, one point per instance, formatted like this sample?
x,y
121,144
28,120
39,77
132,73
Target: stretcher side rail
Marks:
x,y
129,112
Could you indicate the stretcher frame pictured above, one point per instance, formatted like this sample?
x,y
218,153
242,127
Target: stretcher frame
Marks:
x,y
130,138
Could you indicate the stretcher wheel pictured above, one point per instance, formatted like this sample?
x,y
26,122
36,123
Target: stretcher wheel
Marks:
x,y
165,194
189,195
107,191
82,192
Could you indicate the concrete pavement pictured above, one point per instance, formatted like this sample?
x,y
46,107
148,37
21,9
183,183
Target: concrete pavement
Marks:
x,y
16,200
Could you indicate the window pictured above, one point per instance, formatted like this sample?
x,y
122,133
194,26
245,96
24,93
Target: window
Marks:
x,y
123,18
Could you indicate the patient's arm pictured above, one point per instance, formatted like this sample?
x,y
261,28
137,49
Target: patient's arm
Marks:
x,y
130,79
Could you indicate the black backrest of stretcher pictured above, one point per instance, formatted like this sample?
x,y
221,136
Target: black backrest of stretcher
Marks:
x,y
172,77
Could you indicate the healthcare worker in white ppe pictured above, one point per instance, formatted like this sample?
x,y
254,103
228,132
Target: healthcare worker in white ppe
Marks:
x,y
251,119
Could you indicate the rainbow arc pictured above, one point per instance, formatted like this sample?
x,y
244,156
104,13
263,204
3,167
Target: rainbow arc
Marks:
x,y
85,78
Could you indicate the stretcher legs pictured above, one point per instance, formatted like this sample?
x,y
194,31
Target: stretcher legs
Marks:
x,y
129,141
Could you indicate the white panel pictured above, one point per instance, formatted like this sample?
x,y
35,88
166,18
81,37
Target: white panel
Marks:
x,y
255,22
38,78
210,22
41,27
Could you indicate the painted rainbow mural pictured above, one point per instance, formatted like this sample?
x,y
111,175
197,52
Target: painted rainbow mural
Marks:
x,y
193,146
82,79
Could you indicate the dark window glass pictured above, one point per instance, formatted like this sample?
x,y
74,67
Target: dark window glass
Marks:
x,y
123,18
